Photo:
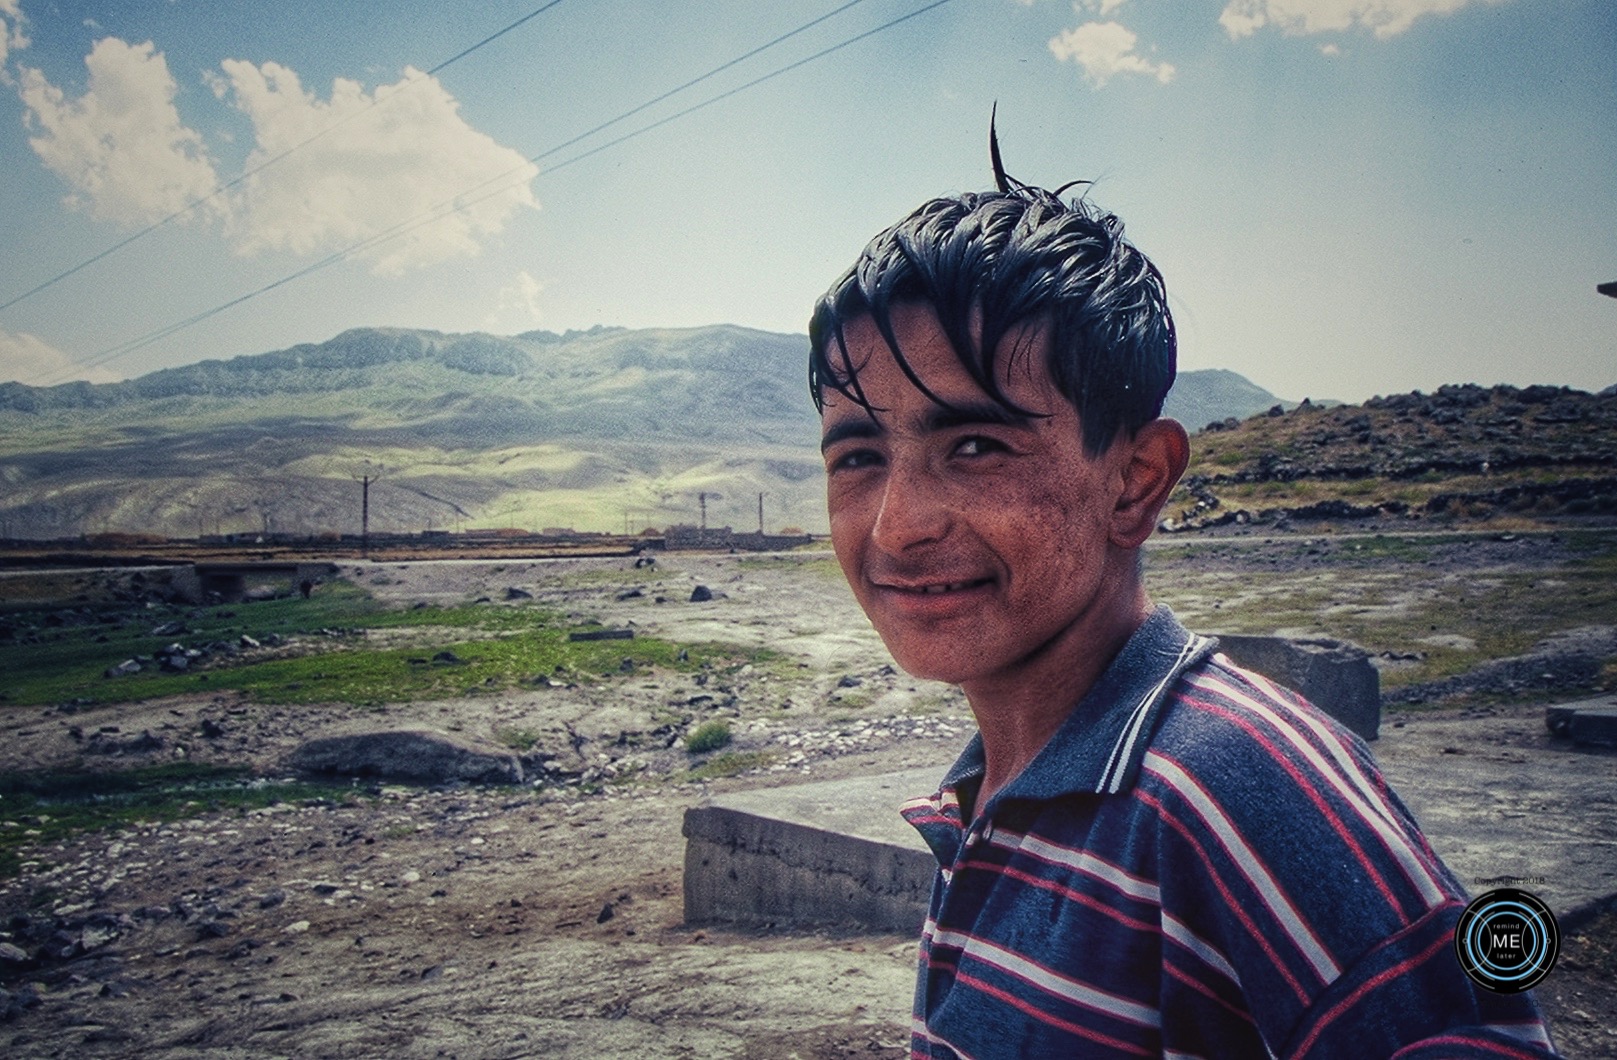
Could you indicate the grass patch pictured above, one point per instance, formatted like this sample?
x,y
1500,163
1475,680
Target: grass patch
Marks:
x,y
708,736
489,649
854,699
38,809
518,740
728,764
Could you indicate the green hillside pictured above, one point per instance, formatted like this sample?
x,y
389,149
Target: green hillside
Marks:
x,y
595,430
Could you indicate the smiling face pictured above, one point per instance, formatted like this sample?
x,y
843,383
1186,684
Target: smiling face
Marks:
x,y
983,545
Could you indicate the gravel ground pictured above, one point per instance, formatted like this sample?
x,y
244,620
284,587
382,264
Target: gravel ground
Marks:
x,y
511,921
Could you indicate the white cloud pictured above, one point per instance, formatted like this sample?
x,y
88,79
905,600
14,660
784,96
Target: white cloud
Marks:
x,y
1104,50
13,38
387,165
518,307
1387,18
1329,49
29,359
120,146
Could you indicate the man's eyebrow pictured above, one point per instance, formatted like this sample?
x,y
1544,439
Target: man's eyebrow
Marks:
x,y
943,418
862,427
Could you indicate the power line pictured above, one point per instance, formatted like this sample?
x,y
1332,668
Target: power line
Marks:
x,y
460,202
222,188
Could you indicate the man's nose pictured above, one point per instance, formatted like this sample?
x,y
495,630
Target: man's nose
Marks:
x,y
913,510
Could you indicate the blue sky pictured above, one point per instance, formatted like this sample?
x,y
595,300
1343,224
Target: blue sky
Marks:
x,y
1347,197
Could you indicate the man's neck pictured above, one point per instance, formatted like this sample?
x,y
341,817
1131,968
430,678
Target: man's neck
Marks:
x,y
1019,711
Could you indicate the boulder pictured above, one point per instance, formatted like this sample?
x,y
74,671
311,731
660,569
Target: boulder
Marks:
x,y
419,756
1333,675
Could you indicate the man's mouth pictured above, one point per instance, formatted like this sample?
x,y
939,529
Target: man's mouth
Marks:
x,y
938,588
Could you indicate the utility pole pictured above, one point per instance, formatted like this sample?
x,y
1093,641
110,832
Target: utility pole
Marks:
x,y
366,477
702,499
760,515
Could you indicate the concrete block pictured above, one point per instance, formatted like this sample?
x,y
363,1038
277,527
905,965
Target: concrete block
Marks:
x,y
1333,675
832,852
1594,726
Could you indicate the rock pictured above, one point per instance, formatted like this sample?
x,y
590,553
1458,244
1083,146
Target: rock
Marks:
x,y
513,593
448,658
124,669
212,729
421,756
248,642
1334,676
12,957
96,935
169,629
701,594
849,681
605,914
272,899
19,1001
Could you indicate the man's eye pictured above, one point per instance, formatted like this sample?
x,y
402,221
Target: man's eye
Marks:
x,y
977,445
856,459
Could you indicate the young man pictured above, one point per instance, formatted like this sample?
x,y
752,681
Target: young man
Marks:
x,y
1145,851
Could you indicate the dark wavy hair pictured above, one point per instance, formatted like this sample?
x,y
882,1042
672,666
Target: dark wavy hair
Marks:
x,y
991,262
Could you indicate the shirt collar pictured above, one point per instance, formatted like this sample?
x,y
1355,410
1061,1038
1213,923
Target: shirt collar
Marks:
x,y
1098,749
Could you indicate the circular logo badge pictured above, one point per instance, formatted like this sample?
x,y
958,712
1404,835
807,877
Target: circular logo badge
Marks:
x,y
1507,940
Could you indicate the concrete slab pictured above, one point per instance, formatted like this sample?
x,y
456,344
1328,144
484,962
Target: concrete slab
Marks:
x,y
822,853
1595,727
1333,675
1588,722
1497,797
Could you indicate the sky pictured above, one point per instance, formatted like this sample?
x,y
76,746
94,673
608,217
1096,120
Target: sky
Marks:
x,y
1346,197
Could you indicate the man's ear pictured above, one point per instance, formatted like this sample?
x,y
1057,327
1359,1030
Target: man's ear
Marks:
x,y
1152,463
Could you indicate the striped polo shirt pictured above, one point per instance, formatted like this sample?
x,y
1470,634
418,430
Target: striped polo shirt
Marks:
x,y
1198,864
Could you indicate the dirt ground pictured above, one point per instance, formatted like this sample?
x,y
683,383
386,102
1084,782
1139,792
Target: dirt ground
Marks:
x,y
511,921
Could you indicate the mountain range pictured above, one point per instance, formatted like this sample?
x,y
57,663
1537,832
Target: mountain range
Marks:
x,y
605,429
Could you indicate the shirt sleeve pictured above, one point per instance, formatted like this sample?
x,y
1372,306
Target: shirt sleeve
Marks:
x,y
1306,886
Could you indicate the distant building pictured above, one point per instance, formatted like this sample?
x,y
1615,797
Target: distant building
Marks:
x,y
723,538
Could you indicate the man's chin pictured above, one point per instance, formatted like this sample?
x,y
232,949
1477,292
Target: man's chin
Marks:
x,y
932,663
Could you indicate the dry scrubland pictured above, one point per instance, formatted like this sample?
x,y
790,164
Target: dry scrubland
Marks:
x,y
189,911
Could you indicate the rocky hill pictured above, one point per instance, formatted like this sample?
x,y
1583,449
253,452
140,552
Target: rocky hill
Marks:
x,y
601,429
1462,452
